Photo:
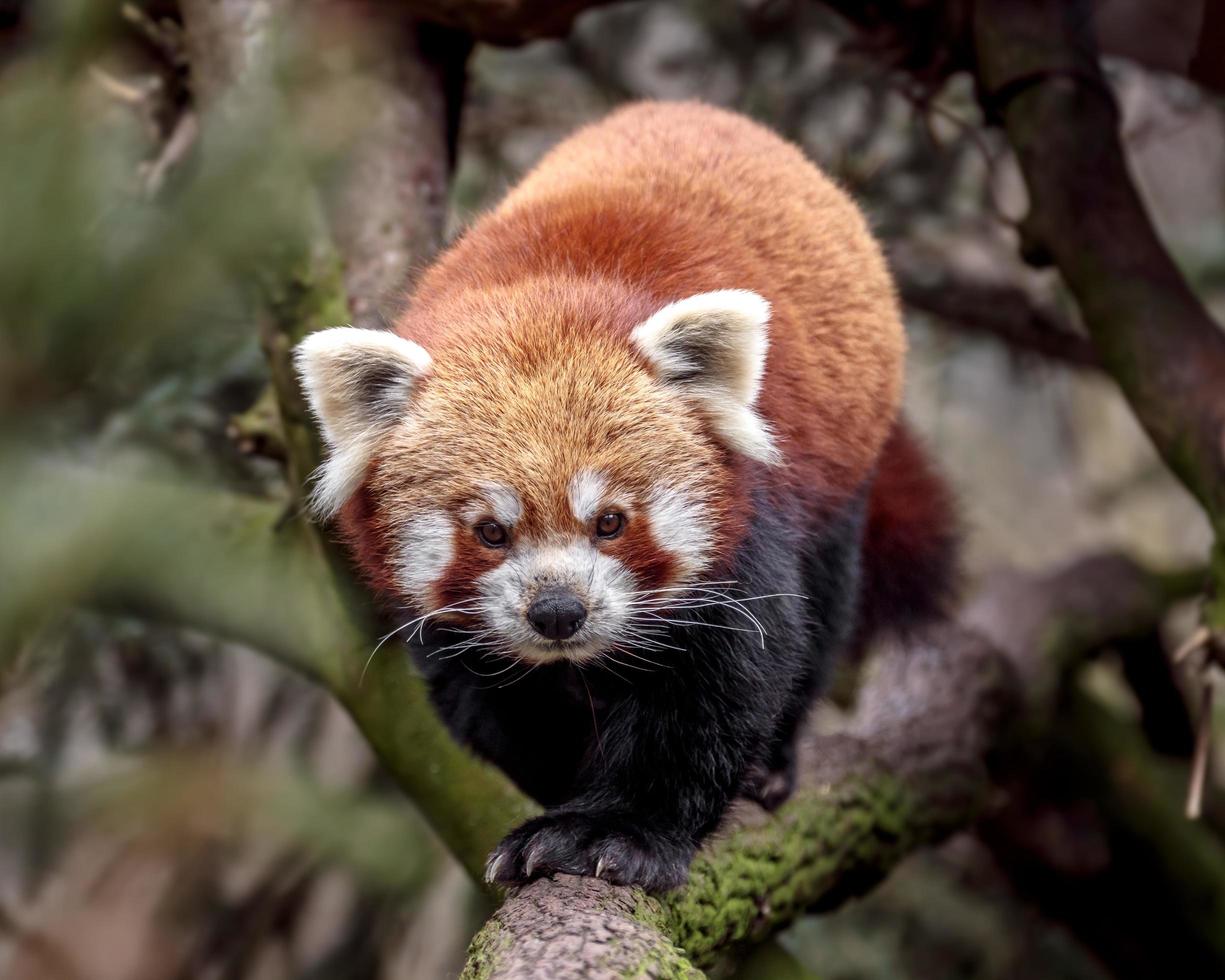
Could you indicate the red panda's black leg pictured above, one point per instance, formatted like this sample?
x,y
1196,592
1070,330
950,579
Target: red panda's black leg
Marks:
x,y
673,756
673,752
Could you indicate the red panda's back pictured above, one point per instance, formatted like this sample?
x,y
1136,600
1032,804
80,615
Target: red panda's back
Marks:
x,y
673,199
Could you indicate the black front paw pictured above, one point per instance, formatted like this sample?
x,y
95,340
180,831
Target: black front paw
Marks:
x,y
591,844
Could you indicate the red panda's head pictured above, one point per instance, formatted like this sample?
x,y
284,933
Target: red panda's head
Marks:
x,y
545,475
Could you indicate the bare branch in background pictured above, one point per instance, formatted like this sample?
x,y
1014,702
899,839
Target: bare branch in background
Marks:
x,y
502,21
1039,70
389,209
996,309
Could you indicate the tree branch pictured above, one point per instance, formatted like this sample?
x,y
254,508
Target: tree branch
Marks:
x,y
389,210
1038,68
1036,63
912,767
999,310
1155,336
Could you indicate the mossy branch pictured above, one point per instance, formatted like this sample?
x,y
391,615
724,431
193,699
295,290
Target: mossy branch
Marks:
x,y
913,767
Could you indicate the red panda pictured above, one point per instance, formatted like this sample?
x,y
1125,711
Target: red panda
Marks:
x,y
630,467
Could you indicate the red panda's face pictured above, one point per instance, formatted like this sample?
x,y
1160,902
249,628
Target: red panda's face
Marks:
x,y
545,496
547,504
570,573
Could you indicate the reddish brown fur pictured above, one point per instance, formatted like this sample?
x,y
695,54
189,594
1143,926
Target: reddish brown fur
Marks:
x,y
655,203
909,542
667,200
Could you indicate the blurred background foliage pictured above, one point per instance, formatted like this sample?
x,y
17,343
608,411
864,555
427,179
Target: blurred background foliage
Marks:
x,y
173,806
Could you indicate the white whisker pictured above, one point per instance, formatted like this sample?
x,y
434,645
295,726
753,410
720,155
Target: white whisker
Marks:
x,y
602,661
638,656
658,605
516,680
420,623
698,622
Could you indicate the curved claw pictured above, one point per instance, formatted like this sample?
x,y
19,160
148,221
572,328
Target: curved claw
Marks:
x,y
529,861
493,866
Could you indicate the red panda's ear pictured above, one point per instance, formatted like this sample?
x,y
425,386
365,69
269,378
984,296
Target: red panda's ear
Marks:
x,y
358,383
712,349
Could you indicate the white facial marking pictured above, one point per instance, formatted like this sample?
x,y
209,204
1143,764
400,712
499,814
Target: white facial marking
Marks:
x,y
604,585
426,549
505,503
587,488
339,476
682,526
497,501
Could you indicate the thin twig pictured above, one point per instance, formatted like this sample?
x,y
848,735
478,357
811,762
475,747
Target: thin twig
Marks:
x,y
1203,743
1196,641
180,142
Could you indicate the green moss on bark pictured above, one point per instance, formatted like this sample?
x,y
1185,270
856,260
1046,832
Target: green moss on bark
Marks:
x,y
486,950
827,844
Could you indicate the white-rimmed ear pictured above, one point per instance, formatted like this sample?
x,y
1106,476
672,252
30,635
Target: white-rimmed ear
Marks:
x,y
358,383
712,348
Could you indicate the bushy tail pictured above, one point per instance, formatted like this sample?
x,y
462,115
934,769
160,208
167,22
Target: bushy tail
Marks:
x,y
910,572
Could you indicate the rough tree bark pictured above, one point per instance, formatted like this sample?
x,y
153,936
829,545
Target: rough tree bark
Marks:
x,y
1001,310
1037,67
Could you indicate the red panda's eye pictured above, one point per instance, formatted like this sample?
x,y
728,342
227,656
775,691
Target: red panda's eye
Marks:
x,y
610,525
492,534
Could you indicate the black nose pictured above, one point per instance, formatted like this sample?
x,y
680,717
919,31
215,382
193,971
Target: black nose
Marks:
x,y
556,614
